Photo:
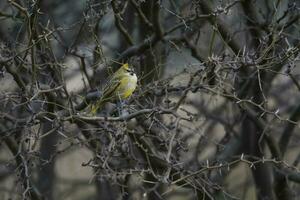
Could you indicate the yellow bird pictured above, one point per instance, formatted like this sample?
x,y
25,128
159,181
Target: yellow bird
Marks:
x,y
120,87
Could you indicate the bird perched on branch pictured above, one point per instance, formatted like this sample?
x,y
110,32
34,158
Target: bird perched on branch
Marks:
x,y
121,86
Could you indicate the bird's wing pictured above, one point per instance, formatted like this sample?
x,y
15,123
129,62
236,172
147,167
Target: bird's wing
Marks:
x,y
108,92
108,95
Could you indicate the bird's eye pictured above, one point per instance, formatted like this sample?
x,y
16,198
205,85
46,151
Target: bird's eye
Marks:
x,y
130,71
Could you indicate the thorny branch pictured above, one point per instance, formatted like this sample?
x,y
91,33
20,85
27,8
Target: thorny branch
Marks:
x,y
221,68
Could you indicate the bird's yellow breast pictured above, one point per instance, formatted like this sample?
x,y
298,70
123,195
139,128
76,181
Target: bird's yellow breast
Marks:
x,y
127,86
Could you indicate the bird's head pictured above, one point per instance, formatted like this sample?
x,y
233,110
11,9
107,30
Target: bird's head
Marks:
x,y
126,68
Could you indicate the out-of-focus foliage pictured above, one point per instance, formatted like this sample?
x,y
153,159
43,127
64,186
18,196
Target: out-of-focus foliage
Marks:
x,y
215,115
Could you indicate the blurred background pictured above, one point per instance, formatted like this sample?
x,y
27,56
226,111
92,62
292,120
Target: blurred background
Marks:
x,y
215,114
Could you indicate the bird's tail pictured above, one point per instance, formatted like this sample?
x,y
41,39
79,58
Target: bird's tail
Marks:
x,y
95,107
